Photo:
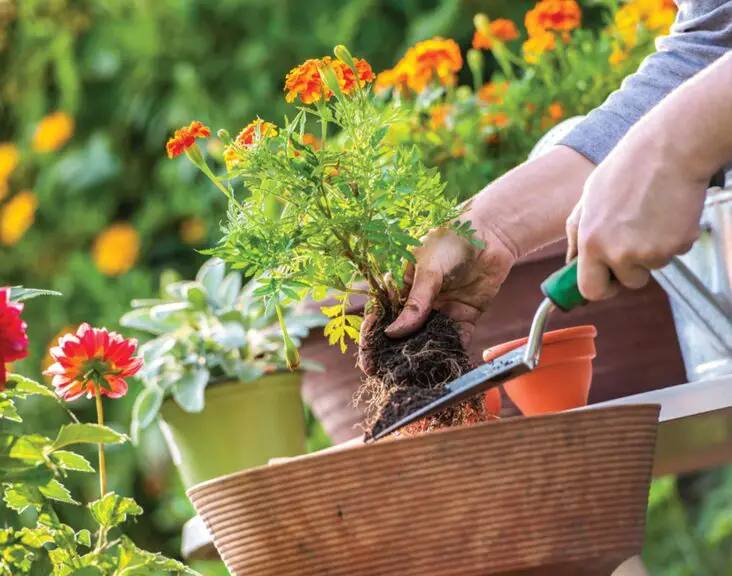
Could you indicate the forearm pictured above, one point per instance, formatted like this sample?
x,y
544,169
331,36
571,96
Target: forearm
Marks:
x,y
527,208
695,122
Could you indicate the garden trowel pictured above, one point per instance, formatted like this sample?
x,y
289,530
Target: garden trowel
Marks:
x,y
561,291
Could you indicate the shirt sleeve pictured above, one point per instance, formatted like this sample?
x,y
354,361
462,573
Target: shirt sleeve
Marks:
x,y
701,33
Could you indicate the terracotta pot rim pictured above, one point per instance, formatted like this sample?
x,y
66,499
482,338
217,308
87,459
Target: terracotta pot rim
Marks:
x,y
553,337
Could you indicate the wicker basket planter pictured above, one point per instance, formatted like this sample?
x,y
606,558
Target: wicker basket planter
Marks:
x,y
557,494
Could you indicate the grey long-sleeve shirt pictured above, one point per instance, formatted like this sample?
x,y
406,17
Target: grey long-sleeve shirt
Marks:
x,y
701,33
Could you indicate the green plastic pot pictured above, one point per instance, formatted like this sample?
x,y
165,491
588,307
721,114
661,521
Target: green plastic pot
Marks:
x,y
243,424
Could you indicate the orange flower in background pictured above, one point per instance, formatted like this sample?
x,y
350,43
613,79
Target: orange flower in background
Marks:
x,y
553,15
537,45
493,92
439,114
193,231
185,138
304,82
500,29
91,360
52,132
347,78
661,21
8,160
436,59
393,78
255,131
556,111
309,139
17,216
496,120
116,249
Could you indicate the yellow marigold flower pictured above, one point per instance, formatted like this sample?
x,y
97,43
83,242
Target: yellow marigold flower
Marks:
x,y
52,132
493,92
553,15
8,159
193,231
500,29
17,216
116,249
231,158
535,46
439,114
618,55
661,21
627,20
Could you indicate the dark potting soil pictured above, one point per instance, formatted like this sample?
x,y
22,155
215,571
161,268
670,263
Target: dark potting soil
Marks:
x,y
410,373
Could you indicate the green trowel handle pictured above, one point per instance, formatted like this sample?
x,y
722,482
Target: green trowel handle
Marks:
x,y
562,288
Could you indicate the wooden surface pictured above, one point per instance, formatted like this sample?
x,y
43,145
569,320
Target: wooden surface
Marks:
x,y
561,494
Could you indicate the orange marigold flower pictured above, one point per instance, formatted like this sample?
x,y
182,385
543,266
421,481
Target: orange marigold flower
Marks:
x,y
439,59
185,137
254,131
439,114
553,15
305,81
93,361
493,92
346,77
394,78
496,120
535,46
52,132
555,110
500,29
309,139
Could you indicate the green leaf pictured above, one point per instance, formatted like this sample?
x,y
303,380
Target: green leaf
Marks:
x,y
87,571
188,392
8,410
112,510
30,448
84,537
71,461
140,320
146,408
196,295
86,434
19,497
229,289
19,294
28,386
319,293
165,311
54,490
211,275
36,476
138,562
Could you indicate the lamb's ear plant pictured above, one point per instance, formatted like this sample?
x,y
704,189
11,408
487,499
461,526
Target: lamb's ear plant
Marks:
x,y
209,330
350,212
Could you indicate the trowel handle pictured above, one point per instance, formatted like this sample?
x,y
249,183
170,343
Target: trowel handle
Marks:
x,y
563,290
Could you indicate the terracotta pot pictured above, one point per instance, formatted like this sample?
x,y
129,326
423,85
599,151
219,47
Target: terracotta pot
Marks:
x,y
562,379
557,494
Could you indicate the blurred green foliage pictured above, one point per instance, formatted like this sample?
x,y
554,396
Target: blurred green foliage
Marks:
x,y
131,71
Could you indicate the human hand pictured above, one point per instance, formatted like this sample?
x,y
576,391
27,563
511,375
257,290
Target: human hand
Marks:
x,y
639,208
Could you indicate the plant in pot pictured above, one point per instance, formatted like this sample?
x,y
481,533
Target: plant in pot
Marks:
x,y
352,210
216,373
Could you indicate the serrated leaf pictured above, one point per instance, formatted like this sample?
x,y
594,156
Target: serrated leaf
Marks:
x,y
84,537
189,391
71,461
335,336
112,510
86,434
28,386
8,411
319,293
331,311
30,448
54,490
20,294
354,321
36,476
351,332
19,497
87,571
138,562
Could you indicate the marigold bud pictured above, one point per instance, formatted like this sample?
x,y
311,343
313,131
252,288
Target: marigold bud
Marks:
x,y
475,60
224,136
482,23
328,75
342,53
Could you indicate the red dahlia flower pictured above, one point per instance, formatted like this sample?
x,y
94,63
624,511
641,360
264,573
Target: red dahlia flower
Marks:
x,y
13,336
90,359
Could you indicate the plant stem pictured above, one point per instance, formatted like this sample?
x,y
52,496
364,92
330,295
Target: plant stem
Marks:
x,y
102,463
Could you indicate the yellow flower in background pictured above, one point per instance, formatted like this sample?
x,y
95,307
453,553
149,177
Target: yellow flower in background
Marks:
x,y
661,21
52,132
116,249
618,55
17,216
627,20
193,231
8,159
537,45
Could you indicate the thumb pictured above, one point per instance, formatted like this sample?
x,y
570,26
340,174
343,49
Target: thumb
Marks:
x,y
425,288
572,227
